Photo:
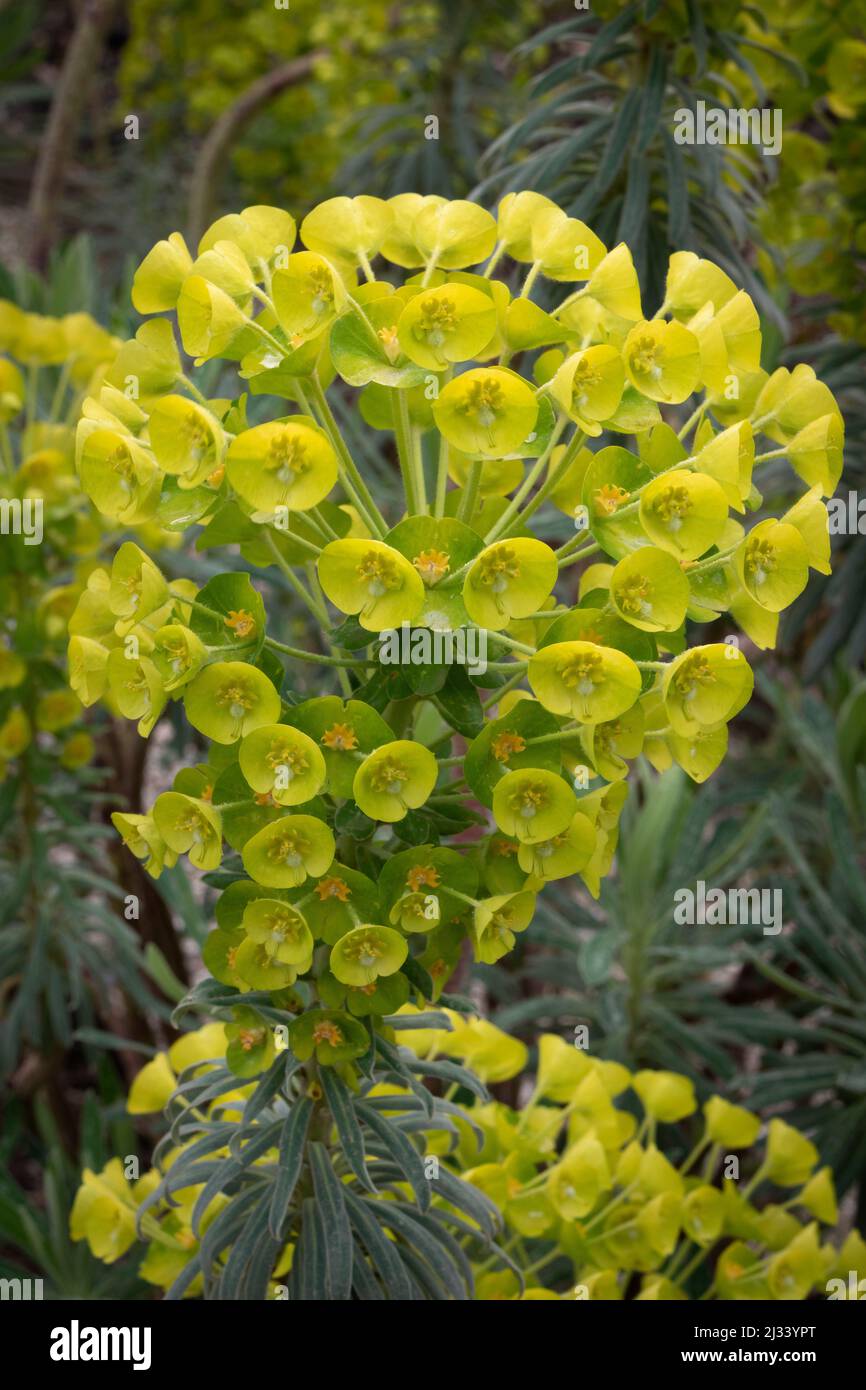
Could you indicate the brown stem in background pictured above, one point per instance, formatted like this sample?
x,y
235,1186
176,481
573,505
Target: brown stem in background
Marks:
x,y
211,160
79,67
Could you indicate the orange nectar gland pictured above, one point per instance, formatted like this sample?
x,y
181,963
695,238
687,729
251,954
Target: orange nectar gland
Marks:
x,y
608,498
422,876
250,1038
325,1031
215,478
264,799
582,673
287,459
431,565
207,793
503,849
333,888
340,738
241,622
505,745
289,849
496,572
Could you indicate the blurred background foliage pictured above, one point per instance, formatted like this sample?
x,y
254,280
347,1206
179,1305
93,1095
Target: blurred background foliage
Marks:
x,y
237,104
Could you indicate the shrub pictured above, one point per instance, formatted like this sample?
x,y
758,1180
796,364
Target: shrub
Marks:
x,y
594,1207
340,899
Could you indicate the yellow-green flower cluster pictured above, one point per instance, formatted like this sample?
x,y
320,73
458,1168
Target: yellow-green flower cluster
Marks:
x,y
586,1177
49,530
647,430
594,1204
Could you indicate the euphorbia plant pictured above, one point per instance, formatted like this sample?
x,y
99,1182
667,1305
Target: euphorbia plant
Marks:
x,y
596,1201
364,848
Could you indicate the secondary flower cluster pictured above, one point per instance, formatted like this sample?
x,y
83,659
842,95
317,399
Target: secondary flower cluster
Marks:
x,y
338,806
589,1195
48,528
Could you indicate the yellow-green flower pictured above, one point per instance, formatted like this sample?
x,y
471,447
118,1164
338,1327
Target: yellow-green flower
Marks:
x,y
815,453
366,953
533,805
451,323
665,1095
589,682
189,825
263,233
330,1034
772,564
648,589
703,1213
283,463
579,1179
349,229
229,699
118,474
394,779
790,1156
308,295
104,1212
157,282
281,930
728,458
209,319
614,284
809,516
705,686
793,1271
509,579
178,655
373,580
136,686
283,761
141,835
283,853
663,360
692,281
516,216
488,412
564,854
186,439
452,235
589,385
684,513
730,1125
564,246
137,587
495,922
